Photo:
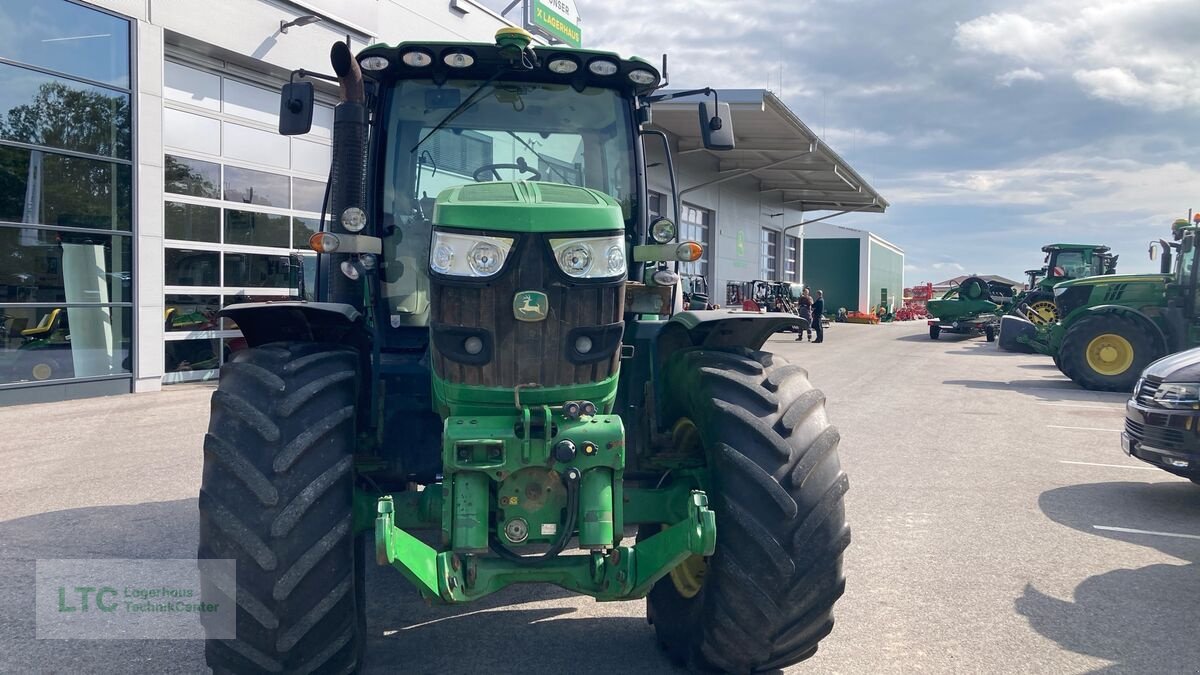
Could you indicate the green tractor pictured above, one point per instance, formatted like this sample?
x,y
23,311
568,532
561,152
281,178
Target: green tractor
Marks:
x,y
1063,263
1113,326
485,394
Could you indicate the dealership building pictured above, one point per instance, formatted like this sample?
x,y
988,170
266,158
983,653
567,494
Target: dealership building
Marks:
x,y
143,185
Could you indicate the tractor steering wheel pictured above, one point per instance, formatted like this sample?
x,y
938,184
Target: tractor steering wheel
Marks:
x,y
520,165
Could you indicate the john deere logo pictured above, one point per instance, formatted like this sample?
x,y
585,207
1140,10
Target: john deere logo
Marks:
x,y
530,306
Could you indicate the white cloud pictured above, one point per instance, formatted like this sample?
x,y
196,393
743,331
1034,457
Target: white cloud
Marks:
x,y
850,138
947,267
1026,74
691,32
1084,189
1013,35
1132,53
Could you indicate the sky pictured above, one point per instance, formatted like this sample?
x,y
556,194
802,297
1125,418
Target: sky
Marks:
x,y
992,126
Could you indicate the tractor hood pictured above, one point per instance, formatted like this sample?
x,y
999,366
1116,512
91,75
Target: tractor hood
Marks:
x,y
527,206
1181,367
1111,279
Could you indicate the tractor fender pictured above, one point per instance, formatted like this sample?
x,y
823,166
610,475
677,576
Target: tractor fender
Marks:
x,y
716,328
1156,332
291,320
722,328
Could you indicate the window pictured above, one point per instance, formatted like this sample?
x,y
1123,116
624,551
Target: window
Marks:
x,y
656,203
693,226
240,200
770,254
791,246
66,193
460,153
66,38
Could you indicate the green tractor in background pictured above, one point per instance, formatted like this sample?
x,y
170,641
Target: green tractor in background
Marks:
x,y
1063,263
490,367
1113,326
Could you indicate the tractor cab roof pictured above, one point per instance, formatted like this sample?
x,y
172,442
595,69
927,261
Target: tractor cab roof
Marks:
x,y
1095,248
479,61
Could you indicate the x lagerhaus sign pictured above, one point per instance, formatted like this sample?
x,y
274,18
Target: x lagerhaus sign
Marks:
x,y
555,19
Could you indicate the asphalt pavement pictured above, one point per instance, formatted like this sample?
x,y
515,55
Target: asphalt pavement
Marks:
x,y
997,528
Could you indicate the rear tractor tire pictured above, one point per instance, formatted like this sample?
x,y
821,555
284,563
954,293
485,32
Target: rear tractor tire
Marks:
x,y
765,598
276,497
1106,352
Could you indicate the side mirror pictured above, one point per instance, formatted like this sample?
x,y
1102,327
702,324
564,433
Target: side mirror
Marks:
x,y
716,129
1153,251
295,108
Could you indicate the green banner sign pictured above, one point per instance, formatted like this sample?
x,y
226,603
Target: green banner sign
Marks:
x,y
557,20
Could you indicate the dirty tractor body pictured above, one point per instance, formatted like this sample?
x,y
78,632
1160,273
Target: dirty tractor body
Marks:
x,y
1113,326
500,384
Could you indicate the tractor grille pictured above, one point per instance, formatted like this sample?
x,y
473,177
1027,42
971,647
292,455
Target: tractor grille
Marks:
x,y
1154,436
1071,299
521,352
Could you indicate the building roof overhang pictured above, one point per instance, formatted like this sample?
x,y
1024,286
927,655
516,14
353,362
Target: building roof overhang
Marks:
x,y
774,147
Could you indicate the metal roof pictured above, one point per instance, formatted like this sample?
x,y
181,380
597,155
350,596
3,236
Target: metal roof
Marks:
x,y
776,148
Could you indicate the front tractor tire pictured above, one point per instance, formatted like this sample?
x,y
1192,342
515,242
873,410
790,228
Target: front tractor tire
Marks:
x,y
276,497
1106,352
765,597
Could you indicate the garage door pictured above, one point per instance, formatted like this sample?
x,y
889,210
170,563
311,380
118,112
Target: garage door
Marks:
x,y
238,199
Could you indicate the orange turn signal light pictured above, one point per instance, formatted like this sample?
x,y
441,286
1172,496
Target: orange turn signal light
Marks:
x,y
324,242
689,251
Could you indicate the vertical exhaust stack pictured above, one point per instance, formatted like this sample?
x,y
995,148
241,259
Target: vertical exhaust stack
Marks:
x,y
347,181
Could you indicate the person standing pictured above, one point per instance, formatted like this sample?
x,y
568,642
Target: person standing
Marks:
x,y
804,308
818,311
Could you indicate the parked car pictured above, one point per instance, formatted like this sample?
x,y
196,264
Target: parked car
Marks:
x,y
1162,418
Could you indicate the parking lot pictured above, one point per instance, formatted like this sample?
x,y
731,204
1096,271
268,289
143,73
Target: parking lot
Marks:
x,y
997,528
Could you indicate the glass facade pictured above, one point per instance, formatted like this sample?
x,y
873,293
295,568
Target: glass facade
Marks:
x,y
694,223
790,247
770,254
239,199
66,193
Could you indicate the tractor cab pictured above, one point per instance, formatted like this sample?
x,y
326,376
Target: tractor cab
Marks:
x,y
1073,261
1033,277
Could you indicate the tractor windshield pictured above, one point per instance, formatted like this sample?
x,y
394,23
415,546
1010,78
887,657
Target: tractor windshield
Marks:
x,y
462,131
1072,265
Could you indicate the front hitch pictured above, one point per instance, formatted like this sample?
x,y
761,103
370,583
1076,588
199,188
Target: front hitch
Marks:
x,y
622,573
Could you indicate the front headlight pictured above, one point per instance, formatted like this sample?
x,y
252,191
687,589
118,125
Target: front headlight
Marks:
x,y
467,255
591,257
1059,290
1182,395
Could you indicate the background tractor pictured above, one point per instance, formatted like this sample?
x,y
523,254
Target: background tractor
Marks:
x,y
1063,263
489,366
1114,325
